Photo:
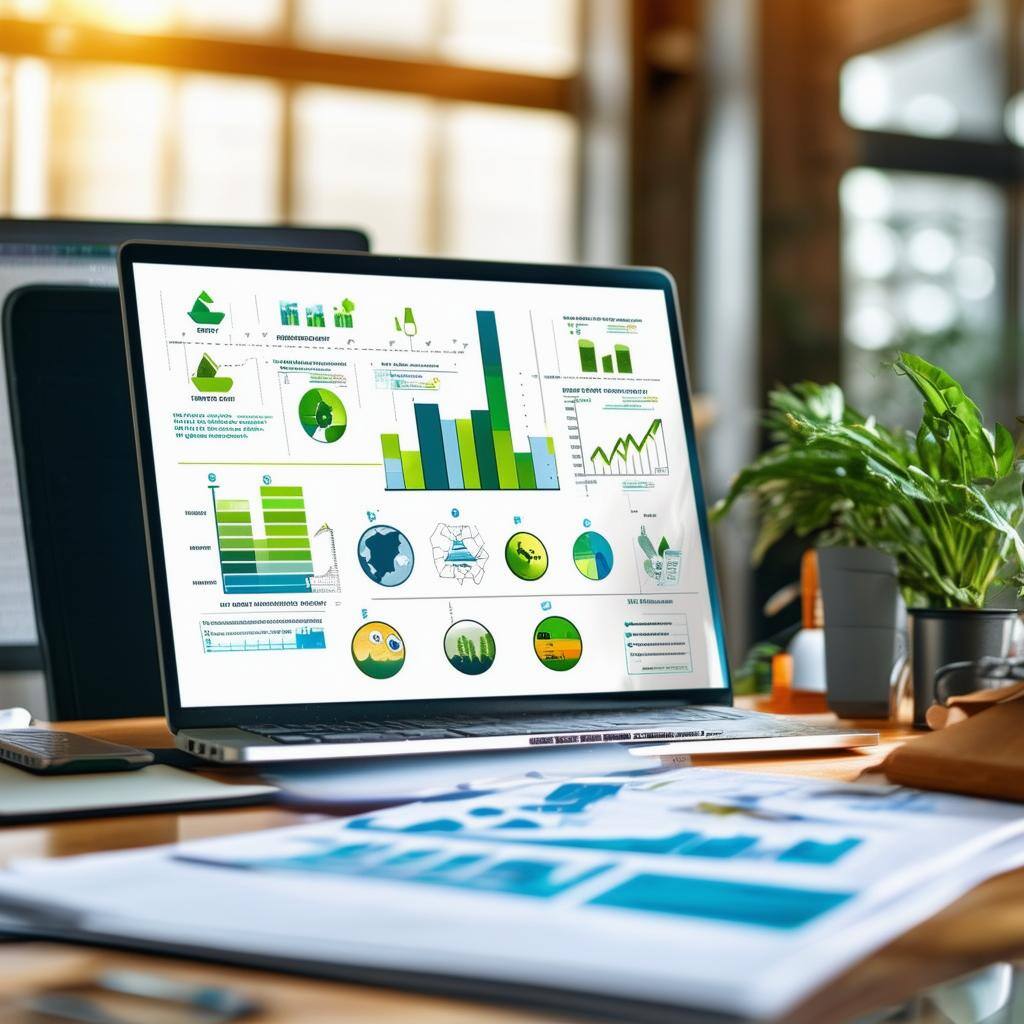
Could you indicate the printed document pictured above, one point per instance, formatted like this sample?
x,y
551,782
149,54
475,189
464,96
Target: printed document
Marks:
x,y
696,887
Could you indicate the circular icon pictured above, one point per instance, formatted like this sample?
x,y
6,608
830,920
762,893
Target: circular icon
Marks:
x,y
322,415
592,555
526,556
378,650
469,646
557,643
385,555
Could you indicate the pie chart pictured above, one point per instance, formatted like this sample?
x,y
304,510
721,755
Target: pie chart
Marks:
x,y
322,415
592,555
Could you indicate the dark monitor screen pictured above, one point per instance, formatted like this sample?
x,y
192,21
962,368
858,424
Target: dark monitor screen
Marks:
x,y
86,544
83,252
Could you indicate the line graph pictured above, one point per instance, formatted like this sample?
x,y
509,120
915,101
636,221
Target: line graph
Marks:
x,y
630,456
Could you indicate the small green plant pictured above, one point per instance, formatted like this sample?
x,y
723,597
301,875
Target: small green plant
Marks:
x,y
755,674
946,503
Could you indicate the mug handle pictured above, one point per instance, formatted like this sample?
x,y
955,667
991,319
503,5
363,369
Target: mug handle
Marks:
x,y
939,686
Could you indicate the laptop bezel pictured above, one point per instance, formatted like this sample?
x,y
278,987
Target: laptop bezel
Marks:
x,y
318,261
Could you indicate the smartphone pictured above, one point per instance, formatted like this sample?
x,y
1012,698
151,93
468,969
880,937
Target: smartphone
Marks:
x,y
49,752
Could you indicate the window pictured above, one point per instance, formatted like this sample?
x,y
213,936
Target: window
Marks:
x,y
922,266
931,219
945,82
314,112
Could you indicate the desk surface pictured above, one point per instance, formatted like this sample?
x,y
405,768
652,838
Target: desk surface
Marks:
x,y
985,926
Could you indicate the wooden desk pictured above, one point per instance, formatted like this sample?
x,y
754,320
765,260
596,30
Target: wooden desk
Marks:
x,y
985,926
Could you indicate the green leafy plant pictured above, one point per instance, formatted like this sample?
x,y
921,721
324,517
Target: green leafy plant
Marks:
x,y
946,503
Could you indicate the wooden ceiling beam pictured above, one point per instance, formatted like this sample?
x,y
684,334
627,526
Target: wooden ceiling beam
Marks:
x,y
864,25
61,41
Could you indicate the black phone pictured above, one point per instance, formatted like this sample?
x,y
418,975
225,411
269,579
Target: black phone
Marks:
x,y
49,752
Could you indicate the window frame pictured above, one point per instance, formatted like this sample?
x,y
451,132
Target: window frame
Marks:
x,y
290,66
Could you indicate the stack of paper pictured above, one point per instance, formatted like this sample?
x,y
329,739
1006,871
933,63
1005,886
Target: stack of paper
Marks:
x,y
693,887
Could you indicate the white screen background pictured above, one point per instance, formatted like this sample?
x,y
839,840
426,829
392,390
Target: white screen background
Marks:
x,y
642,628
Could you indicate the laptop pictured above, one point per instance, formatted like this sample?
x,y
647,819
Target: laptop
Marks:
x,y
400,506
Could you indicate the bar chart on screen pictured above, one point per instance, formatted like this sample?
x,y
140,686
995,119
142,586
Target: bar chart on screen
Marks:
x,y
620,360
279,562
475,452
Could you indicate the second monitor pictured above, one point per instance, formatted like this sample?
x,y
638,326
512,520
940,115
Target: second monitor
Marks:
x,y
74,340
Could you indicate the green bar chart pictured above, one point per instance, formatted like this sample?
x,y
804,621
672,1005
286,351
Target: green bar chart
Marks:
x,y
279,562
619,360
476,452
588,356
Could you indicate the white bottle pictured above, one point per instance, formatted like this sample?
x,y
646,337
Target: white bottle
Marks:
x,y
807,648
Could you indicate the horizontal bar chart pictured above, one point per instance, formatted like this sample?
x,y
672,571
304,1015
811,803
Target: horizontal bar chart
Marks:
x,y
281,561
474,452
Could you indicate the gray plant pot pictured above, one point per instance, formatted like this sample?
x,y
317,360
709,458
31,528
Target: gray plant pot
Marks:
x,y
865,630
945,635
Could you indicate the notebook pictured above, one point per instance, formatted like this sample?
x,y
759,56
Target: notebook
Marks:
x,y
982,756
33,798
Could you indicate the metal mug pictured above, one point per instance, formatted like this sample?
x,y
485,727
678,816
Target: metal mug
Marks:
x,y
959,678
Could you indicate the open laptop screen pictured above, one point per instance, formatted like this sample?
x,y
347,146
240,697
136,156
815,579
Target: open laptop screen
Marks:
x,y
379,486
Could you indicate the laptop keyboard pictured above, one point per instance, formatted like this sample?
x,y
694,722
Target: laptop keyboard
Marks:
x,y
661,723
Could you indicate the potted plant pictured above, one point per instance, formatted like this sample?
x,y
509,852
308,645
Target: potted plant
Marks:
x,y
946,503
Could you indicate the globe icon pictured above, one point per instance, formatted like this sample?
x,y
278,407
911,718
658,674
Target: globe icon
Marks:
x,y
385,555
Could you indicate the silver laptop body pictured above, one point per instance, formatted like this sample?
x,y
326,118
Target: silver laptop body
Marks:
x,y
401,506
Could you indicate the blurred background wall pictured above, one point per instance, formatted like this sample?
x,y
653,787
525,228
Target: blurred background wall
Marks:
x,y
828,181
